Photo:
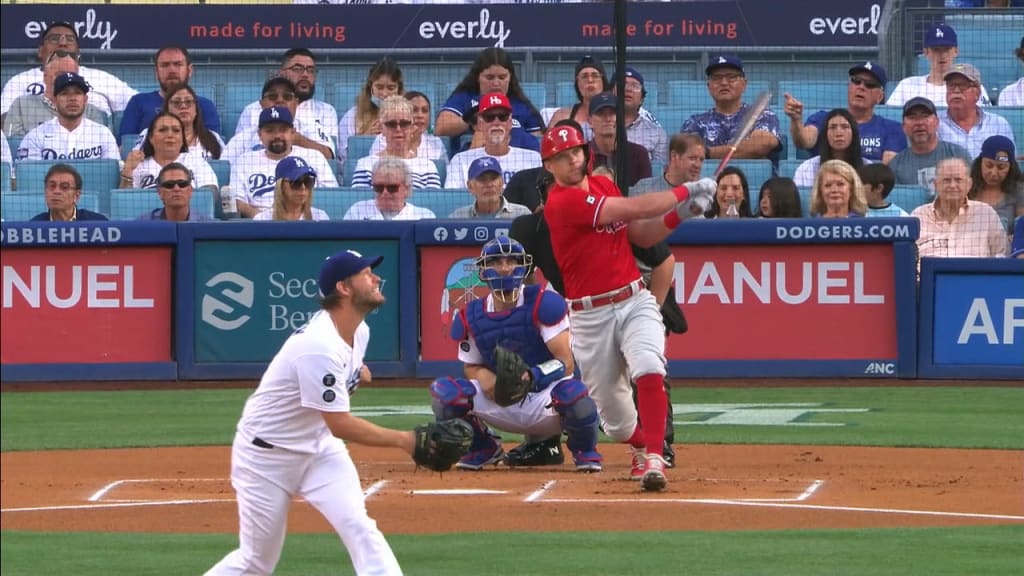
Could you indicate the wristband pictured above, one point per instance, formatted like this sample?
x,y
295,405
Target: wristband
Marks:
x,y
672,219
545,373
682,193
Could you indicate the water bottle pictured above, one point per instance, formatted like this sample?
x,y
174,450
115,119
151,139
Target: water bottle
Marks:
x,y
733,210
227,203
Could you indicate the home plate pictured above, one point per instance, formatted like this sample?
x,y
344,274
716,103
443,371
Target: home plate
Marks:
x,y
457,492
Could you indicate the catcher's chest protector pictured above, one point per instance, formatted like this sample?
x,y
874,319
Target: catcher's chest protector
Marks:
x,y
515,329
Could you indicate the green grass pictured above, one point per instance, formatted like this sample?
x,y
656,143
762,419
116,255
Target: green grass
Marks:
x,y
978,551
930,417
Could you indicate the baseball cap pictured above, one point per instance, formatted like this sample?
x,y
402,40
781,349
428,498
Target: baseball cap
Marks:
x,y
482,165
998,148
940,35
589,62
631,73
918,102
275,115
342,265
293,168
602,100
69,79
492,101
873,68
966,70
1018,238
724,61
278,81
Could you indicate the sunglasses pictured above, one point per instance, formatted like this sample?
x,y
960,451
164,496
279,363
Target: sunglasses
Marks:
x,y
302,183
58,38
391,188
286,96
858,81
396,124
169,184
182,102
499,116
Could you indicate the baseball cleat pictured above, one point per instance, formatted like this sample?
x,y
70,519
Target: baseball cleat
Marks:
x,y
479,459
587,461
653,479
544,453
636,471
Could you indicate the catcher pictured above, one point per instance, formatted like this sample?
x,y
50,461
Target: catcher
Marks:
x,y
291,438
520,376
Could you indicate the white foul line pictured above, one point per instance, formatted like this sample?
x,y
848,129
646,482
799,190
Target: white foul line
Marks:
x,y
374,488
99,493
535,495
807,493
116,505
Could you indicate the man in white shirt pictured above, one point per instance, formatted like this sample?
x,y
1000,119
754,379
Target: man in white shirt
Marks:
x,y
299,66
279,91
1013,95
940,48
70,135
392,185
254,173
963,122
110,94
291,438
494,120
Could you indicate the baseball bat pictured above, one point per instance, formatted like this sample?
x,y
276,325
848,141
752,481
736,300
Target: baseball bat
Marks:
x,y
753,113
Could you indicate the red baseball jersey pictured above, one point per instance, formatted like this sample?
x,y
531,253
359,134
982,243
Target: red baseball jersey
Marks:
x,y
594,258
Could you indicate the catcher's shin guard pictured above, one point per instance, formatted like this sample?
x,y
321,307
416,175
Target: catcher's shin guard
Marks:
x,y
579,420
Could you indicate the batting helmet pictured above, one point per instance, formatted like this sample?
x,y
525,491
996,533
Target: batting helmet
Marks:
x,y
504,247
559,138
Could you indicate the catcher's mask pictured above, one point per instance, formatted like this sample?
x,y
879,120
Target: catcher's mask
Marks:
x,y
504,285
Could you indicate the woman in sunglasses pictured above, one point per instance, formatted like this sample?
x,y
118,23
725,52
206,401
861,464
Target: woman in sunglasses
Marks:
x,y
396,119
383,80
175,191
293,193
30,110
419,138
182,102
165,143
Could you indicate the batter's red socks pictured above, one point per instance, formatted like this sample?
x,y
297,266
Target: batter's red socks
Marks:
x,y
637,440
653,408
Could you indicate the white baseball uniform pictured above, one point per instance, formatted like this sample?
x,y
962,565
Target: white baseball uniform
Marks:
x,y
52,141
283,448
253,175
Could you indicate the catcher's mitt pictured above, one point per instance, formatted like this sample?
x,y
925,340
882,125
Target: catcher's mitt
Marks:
x,y
509,386
439,445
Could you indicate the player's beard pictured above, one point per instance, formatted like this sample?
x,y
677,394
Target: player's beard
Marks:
x,y
304,95
277,146
369,300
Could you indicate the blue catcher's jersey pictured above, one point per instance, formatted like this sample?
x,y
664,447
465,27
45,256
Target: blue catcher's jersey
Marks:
x,y
517,329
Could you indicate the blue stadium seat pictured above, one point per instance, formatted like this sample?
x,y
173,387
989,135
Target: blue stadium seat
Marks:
x,y
441,202
788,168
5,177
442,170
358,147
672,117
694,93
890,112
221,169
236,97
805,201
537,92
819,95
97,175
337,201
909,197
22,206
1015,116
130,203
127,143
757,171
565,94
345,95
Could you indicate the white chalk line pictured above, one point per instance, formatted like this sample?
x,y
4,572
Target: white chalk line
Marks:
x,y
537,494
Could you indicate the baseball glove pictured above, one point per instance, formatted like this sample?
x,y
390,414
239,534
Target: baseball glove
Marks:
x,y
439,445
509,386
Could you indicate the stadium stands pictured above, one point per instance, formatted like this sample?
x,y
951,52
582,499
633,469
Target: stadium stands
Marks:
x,y
130,203
22,206
97,175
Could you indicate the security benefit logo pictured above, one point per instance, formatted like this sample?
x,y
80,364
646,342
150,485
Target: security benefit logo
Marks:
x,y
228,299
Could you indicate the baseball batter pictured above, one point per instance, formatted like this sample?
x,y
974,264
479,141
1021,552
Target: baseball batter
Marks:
x,y
617,327
533,323
289,440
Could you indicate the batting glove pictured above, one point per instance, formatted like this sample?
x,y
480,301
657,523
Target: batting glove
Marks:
x,y
702,194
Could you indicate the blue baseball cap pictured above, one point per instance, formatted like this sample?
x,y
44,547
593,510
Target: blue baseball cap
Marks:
x,y
724,61
630,73
873,68
275,115
1017,249
940,35
482,165
601,101
343,265
293,168
998,148
69,79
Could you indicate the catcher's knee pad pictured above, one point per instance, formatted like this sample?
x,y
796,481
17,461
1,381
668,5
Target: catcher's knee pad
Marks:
x,y
452,397
579,414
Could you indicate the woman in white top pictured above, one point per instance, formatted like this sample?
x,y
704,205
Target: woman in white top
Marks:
x,y
165,143
392,185
204,143
383,80
396,118
293,193
841,141
418,138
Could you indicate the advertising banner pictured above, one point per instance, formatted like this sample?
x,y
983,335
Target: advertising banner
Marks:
x,y
697,23
979,320
251,295
86,305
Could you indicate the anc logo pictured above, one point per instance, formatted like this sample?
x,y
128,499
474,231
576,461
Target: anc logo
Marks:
x,y
225,304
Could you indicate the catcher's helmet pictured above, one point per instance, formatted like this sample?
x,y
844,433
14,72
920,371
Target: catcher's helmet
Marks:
x,y
504,247
559,138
